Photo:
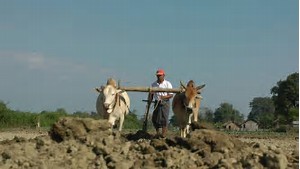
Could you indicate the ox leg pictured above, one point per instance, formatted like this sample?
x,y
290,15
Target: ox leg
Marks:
x,y
121,122
181,132
112,120
196,109
195,117
189,123
187,129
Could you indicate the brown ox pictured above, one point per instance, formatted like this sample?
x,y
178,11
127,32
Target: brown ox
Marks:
x,y
185,105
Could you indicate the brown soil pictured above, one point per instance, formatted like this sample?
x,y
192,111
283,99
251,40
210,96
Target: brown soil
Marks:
x,y
88,143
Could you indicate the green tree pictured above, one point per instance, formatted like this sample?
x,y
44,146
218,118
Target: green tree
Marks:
x,y
3,107
61,111
207,114
131,121
11,118
294,113
81,114
286,97
226,113
262,111
5,115
48,118
95,115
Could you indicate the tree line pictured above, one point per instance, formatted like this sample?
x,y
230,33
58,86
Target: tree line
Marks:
x,y
17,119
282,108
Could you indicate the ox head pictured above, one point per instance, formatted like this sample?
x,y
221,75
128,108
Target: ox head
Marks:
x,y
191,92
110,94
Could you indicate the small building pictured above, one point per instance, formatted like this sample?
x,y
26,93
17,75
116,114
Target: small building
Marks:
x,y
249,125
296,124
231,126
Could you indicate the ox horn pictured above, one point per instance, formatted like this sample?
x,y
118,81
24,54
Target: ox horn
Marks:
x,y
182,85
200,87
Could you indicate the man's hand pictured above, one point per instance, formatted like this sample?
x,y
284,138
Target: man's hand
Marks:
x,y
165,97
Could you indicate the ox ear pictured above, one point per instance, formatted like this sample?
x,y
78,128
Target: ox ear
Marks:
x,y
182,85
99,89
200,87
199,97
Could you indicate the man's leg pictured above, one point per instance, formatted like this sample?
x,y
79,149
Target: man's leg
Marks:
x,y
164,131
165,115
154,121
157,132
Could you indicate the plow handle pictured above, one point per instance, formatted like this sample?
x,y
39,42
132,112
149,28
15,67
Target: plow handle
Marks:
x,y
146,115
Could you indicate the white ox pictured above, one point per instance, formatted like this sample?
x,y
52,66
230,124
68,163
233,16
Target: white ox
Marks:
x,y
112,104
186,105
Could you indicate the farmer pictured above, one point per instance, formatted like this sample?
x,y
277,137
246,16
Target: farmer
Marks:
x,y
162,103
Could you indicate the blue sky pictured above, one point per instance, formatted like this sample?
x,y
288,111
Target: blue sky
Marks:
x,y
53,53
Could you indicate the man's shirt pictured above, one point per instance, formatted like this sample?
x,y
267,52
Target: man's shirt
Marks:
x,y
165,84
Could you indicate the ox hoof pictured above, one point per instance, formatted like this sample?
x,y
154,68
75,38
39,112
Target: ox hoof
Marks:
x,y
115,126
158,136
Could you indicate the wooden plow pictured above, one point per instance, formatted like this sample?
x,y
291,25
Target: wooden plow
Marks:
x,y
155,89
149,90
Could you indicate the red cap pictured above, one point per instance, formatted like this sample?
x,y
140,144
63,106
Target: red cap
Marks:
x,y
160,72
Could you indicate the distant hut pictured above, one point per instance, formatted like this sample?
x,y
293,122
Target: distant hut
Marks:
x,y
249,125
296,124
231,126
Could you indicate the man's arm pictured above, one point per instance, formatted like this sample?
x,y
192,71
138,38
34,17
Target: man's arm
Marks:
x,y
168,96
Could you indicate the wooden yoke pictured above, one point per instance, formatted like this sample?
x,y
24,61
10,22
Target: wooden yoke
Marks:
x,y
150,89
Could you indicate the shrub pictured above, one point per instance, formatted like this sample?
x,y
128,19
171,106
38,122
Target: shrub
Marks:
x,y
281,129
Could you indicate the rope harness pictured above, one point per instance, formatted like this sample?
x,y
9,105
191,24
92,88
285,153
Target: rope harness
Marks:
x,y
117,100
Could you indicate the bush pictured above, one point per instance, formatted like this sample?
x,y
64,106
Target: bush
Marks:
x,y
131,122
49,118
281,129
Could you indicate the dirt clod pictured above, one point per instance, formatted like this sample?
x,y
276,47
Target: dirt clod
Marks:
x,y
88,143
